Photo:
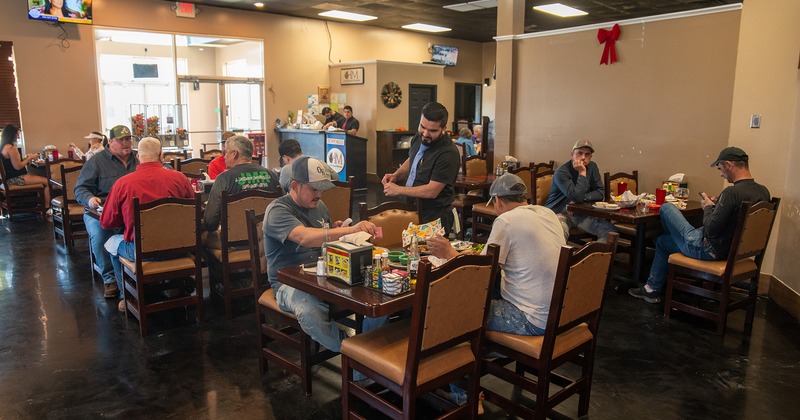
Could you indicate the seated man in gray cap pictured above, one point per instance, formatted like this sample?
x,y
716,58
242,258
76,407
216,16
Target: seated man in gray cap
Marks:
x,y
712,241
578,181
294,231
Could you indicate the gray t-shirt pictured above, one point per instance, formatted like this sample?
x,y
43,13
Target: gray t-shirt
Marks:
x,y
286,176
282,216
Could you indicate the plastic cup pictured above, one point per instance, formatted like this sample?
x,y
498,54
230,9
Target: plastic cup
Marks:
x,y
622,187
661,194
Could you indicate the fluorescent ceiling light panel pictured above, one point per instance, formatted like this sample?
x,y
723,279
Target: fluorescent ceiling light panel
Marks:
x,y
560,10
472,5
338,14
426,28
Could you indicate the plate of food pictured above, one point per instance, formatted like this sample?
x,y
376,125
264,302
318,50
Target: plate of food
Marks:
x,y
461,245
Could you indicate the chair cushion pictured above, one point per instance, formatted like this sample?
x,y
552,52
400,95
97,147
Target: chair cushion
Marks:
x,y
464,200
532,344
484,209
385,350
267,299
156,267
235,255
76,210
716,268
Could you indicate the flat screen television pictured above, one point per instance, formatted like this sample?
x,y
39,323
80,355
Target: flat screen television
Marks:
x,y
71,11
444,54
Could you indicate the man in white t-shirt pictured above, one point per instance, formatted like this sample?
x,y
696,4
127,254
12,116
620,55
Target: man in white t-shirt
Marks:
x,y
530,239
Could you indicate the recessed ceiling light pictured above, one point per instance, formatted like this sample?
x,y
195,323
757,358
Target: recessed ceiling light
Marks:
x,y
338,14
560,10
472,5
426,28
258,4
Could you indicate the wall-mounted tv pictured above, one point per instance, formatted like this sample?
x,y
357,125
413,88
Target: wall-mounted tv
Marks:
x,y
72,11
444,54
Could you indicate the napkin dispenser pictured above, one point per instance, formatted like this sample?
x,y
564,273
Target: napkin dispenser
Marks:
x,y
345,261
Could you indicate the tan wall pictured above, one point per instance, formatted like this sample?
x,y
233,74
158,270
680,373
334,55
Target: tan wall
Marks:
x,y
663,108
767,84
489,92
296,59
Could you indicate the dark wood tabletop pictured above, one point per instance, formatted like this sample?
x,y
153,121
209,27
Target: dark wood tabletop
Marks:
x,y
475,182
358,299
635,215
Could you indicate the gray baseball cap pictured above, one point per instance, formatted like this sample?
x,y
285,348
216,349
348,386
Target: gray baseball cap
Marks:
x,y
508,184
312,172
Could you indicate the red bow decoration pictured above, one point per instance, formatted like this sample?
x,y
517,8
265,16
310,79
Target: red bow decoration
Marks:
x,y
608,37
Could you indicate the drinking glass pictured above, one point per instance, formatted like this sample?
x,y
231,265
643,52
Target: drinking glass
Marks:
x,y
682,193
622,187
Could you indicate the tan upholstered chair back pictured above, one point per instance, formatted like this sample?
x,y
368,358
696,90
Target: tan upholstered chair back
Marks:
x,y
524,173
612,181
339,200
543,166
168,226
585,285
237,223
475,166
210,154
756,231
543,180
456,304
70,179
53,167
393,223
193,166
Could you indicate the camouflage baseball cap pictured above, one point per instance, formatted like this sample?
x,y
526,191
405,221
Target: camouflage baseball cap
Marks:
x,y
119,131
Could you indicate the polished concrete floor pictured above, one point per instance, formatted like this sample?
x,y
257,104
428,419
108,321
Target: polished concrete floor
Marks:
x,y
67,353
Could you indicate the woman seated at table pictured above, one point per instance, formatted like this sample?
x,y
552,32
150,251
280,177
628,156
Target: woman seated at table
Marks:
x,y
14,164
464,138
97,143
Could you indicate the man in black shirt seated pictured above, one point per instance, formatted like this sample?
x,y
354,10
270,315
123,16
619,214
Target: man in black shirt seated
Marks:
x,y
712,241
332,118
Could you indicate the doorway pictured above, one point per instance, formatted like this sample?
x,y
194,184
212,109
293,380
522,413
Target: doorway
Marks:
x,y
418,97
468,103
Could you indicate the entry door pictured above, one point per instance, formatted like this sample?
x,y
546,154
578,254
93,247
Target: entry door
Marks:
x,y
418,97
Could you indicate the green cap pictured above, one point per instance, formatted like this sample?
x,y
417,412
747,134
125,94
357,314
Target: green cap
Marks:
x,y
120,131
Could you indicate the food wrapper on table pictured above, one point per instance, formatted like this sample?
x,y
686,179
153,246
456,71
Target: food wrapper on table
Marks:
x,y
423,231
628,199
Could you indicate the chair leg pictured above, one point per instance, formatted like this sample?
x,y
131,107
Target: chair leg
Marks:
x,y
226,292
305,366
347,398
668,292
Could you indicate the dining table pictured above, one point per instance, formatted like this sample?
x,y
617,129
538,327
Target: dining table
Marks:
x,y
640,216
475,182
356,298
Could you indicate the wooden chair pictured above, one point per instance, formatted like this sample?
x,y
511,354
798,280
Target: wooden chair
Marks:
x,y
483,214
68,219
476,166
193,165
627,231
233,255
211,154
541,180
275,325
439,345
52,173
15,199
172,158
611,182
339,199
732,283
570,337
543,166
164,228
393,217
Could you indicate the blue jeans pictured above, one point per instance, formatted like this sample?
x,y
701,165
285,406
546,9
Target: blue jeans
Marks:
x,y
313,316
594,225
507,318
679,236
97,238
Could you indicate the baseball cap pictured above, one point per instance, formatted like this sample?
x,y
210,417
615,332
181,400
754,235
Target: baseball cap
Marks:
x,y
731,154
120,131
508,184
312,172
94,135
583,143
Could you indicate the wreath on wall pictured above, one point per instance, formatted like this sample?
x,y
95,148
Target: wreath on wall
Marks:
x,y
392,95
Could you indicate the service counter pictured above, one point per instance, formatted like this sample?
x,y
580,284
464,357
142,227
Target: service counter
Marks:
x,y
345,153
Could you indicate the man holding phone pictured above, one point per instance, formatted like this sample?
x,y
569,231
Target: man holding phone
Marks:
x,y
712,241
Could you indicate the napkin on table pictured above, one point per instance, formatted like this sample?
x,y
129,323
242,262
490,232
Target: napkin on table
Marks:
x,y
358,238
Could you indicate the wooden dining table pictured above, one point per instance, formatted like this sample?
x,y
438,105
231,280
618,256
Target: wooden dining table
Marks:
x,y
640,217
356,298
474,182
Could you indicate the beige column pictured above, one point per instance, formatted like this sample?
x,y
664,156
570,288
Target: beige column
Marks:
x,y
510,22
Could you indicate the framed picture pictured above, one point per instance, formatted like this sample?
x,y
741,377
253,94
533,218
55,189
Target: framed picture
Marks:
x,y
352,76
324,94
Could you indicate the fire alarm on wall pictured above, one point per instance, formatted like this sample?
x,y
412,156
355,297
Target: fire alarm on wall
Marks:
x,y
187,10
